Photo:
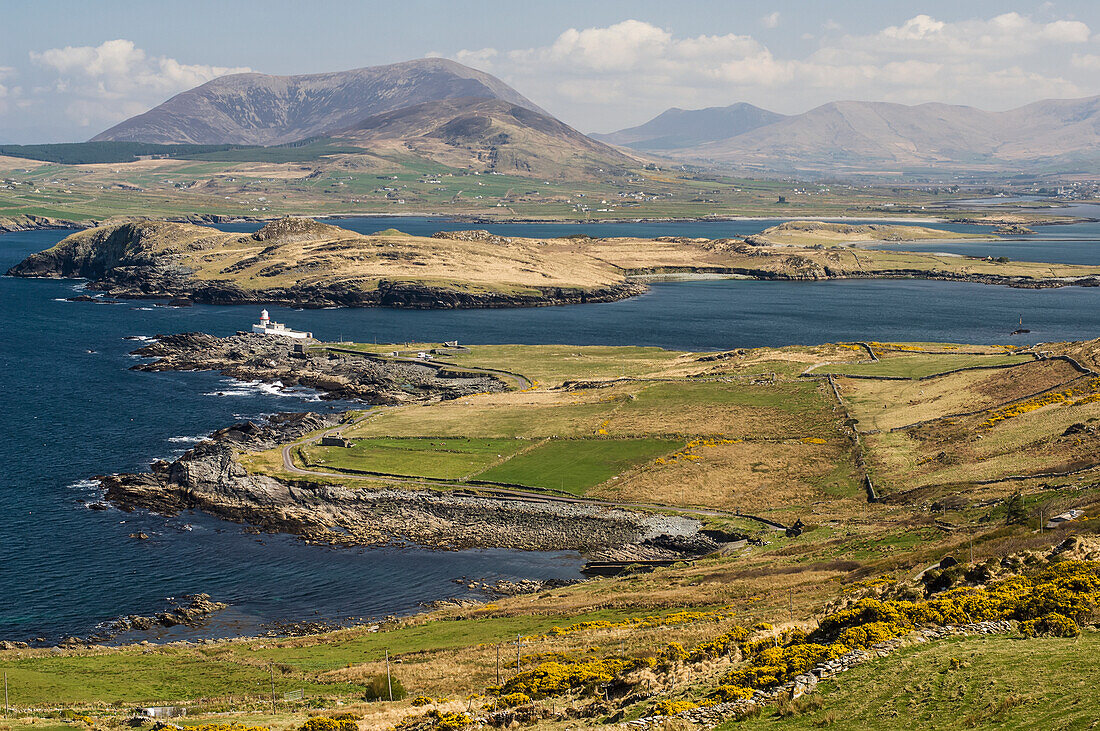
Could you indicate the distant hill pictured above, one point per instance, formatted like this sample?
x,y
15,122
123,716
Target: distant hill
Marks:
x,y
258,109
851,136
487,133
679,128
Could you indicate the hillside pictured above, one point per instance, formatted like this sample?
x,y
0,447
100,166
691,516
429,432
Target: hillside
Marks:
x,y
488,134
258,109
865,553
854,136
676,128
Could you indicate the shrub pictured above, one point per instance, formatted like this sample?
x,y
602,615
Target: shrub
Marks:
x,y
668,707
726,692
378,689
323,723
1053,624
512,700
554,678
674,652
450,721
1015,513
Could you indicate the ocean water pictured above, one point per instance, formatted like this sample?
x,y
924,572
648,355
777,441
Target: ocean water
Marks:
x,y
72,410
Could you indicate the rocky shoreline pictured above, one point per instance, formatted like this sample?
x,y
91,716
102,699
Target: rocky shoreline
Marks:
x,y
342,375
210,478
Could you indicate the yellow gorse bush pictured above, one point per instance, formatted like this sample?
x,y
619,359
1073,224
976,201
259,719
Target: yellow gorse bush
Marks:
x,y
668,707
1052,600
1090,393
556,677
323,723
687,453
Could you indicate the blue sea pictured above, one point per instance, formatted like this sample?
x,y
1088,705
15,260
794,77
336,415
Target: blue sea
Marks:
x,y
72,409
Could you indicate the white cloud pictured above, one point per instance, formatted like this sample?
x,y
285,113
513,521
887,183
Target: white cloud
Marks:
x,y
1006,35
771,20
603,78
112,81
1086,61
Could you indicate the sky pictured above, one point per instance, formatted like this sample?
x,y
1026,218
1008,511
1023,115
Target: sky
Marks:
x,y
69,70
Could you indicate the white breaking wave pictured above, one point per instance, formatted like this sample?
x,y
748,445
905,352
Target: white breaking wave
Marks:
x,y
187,440
85,485
257,388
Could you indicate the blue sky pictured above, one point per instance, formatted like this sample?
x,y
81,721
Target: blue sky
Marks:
x,y
71,69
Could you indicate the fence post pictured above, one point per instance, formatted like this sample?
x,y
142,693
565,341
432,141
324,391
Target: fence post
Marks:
x,y
271,671
389,680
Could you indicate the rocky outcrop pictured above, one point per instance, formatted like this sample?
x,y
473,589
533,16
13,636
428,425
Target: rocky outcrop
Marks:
x,y
32,223
343,375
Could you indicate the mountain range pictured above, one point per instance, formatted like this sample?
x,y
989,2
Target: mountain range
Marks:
x,y
451,114
677,129
258,109
852,136
434,108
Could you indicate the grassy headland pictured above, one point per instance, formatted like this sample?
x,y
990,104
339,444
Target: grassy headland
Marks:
x,y
303,262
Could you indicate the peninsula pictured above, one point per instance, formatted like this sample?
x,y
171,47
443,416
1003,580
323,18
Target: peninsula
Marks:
x,y
301,262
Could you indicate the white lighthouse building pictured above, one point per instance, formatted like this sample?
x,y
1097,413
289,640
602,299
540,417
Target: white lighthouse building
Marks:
x,y
267,326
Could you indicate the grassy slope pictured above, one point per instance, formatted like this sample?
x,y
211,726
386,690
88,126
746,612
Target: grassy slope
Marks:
x,y
1003,682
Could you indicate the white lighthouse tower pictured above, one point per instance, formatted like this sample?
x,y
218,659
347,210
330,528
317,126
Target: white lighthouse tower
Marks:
x,y
266,326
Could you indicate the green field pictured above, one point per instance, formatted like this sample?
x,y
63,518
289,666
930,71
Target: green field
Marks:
x,y
919,366
446,459
577,465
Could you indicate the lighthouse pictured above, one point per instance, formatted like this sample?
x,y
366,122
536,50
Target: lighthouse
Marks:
x,y
268,327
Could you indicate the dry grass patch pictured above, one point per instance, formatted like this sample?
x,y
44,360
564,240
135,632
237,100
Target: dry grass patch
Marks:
x,y
529,414
959,451
747,476
780,410
909,402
